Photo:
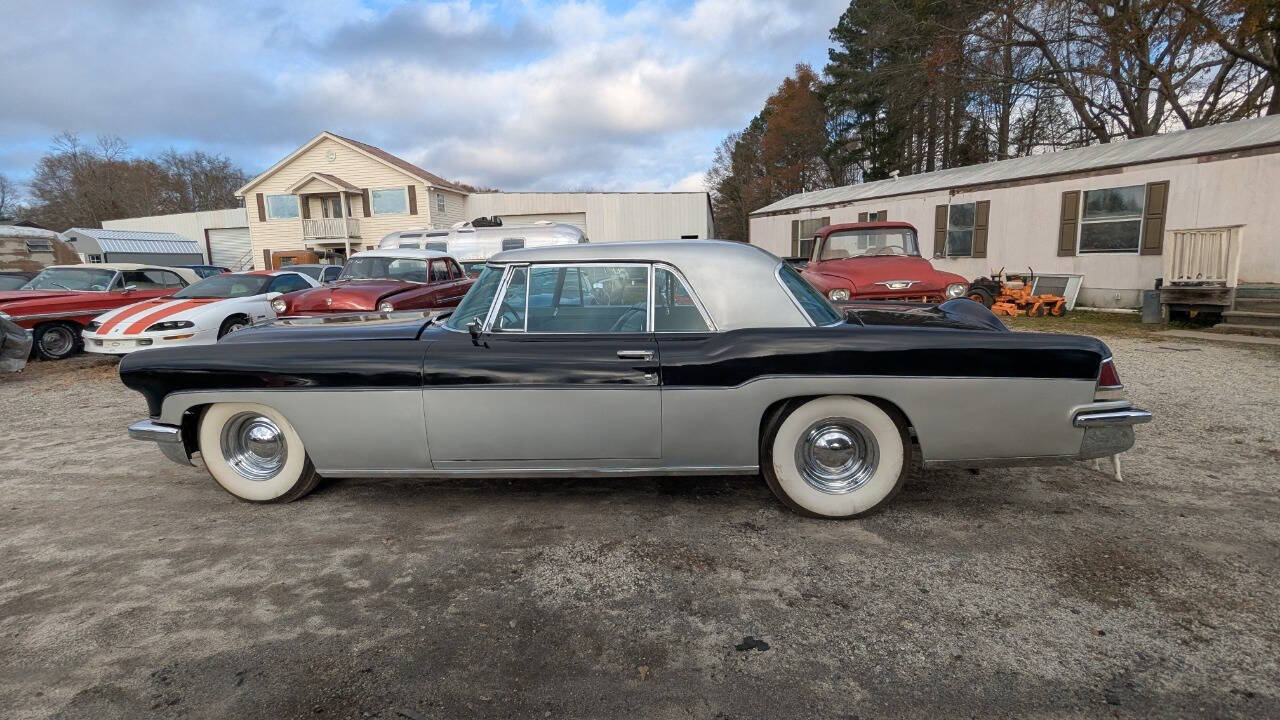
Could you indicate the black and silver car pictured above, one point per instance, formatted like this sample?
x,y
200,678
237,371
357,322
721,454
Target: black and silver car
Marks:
x,y
635,359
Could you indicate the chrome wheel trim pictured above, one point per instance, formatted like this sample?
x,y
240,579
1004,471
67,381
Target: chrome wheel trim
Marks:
x,y
57,341
837,455
254,446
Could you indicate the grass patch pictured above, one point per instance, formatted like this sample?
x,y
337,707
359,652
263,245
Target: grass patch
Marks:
x,y
1083,322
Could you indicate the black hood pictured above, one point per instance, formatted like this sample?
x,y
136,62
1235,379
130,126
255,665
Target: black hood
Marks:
x,y
958,314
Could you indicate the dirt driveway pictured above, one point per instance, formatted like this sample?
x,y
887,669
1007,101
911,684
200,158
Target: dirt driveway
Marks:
x,y
130,587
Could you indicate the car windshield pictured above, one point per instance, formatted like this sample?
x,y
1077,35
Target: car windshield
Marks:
x,y
385,268
865,243
95,279
226,286
477,301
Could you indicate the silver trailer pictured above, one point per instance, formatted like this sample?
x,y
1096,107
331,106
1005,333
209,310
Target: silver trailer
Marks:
x,y
473,246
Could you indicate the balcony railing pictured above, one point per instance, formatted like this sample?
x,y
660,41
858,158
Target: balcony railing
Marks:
x,y
330,228
1203,256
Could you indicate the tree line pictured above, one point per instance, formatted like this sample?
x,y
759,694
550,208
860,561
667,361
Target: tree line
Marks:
x,y
914,86
79,184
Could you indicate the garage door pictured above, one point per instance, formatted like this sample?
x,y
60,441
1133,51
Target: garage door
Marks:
x,y
230,248
578,220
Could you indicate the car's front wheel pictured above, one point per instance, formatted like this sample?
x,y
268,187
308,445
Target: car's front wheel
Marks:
x,y
837,456
55,341
254,453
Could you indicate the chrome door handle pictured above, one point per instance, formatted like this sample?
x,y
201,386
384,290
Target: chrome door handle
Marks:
x,y
635,354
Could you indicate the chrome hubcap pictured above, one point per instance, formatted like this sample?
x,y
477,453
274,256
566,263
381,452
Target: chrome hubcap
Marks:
x,y
837,455
56,341
253,446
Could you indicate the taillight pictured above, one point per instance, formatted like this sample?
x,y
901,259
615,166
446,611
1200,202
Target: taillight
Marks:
x,y
1108,378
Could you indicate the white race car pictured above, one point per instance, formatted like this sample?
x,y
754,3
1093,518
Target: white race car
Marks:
x,y
198,314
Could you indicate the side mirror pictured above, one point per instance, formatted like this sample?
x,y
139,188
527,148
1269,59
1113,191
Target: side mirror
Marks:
x,y
130,288
473,327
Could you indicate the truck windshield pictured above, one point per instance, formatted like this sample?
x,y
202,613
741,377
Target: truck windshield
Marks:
x,y
864,243
477,301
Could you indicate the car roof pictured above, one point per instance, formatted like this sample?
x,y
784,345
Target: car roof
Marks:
x,y
737,283
870,225
403,252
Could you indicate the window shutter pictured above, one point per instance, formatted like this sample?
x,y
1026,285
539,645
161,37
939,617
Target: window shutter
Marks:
x,y
981,217
939,231
882,215
306,206
364,196
1153,218
262,208
862,217
413,200
266,254
795,237
1068,223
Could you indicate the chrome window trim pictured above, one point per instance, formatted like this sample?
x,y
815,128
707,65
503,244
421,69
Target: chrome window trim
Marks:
x,y
777,273
502,289
693,295
507,272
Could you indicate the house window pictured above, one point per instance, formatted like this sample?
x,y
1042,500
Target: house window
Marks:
x,y
960,230
803,246
393,201
282,207
439,202
1112,220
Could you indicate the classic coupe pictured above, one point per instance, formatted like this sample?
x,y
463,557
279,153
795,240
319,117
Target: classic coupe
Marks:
x,y
384,281
635,359
200,314
58,303
877,261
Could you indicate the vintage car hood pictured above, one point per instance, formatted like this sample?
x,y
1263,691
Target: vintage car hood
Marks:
x,y
352,295
958,314
11,297
865,272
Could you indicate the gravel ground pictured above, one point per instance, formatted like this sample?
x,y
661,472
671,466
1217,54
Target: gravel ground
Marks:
x,y
130,587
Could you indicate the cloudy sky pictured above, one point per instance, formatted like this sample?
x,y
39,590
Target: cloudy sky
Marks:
x,y
532,95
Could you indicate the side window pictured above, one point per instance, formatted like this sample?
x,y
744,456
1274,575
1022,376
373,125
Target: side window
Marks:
x,y
330,273
511,309
588,299
673,306
439,271
152,279
287,284
437,245
454,271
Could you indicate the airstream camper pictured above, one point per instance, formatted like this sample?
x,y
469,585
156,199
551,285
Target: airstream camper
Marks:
x,y
472,245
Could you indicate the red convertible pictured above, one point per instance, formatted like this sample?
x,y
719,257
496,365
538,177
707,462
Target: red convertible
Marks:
x,y
56,304
877,261
383,281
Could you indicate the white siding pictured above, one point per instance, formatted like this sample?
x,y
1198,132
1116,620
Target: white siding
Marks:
x,y
454,208
1023,230
231,248
610,217
578,220
190,225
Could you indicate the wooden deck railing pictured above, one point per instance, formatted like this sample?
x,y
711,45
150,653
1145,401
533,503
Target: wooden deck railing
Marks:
x,y
1203,256
321,228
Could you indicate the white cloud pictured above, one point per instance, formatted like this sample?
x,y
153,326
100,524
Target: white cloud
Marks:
x,y
525,94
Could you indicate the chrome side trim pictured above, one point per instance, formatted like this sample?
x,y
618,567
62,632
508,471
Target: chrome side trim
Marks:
x,y
47,316
554,472
1111,418
167,437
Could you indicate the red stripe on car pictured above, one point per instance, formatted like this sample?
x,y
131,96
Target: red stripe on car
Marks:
x,y
129,312
161,314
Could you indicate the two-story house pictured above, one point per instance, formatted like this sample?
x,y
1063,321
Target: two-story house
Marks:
x,y
342,195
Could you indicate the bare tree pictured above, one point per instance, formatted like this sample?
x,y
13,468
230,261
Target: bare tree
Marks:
x,y
8,198
1249,31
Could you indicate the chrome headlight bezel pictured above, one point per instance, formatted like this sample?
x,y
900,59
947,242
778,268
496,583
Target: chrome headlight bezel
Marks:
x,y
955,290
386,306
167,325
839,294
279,305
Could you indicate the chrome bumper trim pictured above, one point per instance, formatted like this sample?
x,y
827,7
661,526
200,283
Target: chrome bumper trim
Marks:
x,y
167,437
1111,418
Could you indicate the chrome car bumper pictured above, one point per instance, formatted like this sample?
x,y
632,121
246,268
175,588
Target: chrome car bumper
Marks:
x,y
167,437
15,345
1108,432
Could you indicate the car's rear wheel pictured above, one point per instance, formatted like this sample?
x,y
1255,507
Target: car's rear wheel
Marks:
x,y
837,456
55,341
254,453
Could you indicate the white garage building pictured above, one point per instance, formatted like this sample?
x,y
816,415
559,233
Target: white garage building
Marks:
x,y
1119,215
223,235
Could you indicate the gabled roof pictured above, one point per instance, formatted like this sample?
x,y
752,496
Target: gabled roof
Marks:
x,y
333,181
1214,139
364,148
137,241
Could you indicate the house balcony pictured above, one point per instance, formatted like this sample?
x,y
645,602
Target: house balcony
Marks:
x,y
330,228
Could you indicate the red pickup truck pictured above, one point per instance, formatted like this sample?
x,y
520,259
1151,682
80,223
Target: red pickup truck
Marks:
x,y
877,261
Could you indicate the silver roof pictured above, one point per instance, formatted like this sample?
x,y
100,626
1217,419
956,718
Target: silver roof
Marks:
x,y
737,283
401,253
1186,143
140,241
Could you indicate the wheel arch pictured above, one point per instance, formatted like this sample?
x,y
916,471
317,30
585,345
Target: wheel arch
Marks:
x,y
779,409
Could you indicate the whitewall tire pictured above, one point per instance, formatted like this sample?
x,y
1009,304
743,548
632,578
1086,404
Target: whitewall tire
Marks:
x,y
837,456
254,453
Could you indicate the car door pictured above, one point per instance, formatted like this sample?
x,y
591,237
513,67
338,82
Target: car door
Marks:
x,y
565,371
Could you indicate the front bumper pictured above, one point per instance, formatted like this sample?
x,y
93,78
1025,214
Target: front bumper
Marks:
x,y
15,346
167,437
123,345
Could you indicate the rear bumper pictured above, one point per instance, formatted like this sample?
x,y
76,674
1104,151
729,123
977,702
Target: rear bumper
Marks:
x,y
1108,430
167,437
15,346
1127,417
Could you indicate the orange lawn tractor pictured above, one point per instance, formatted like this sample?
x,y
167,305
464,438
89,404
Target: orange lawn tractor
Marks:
x,y
1013,295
